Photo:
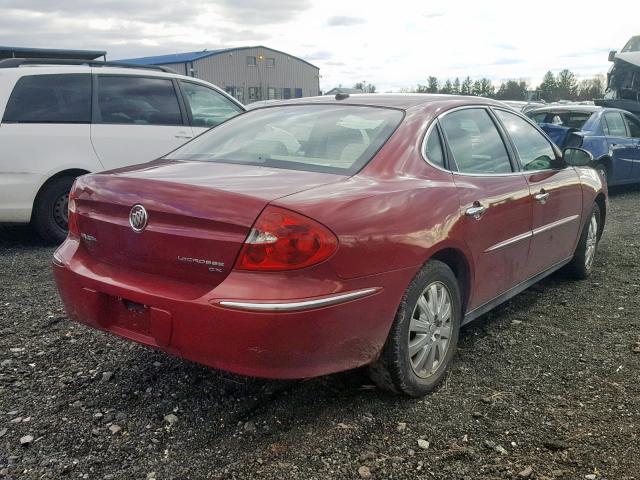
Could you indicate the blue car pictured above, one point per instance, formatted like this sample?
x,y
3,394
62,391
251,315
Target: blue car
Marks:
x,y
611,135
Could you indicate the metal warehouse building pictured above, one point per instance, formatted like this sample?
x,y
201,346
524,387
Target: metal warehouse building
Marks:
x,y
247,73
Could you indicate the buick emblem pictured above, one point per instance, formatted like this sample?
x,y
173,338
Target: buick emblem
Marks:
x,y
138,218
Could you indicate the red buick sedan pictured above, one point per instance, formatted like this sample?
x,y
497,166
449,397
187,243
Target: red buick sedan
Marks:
x,y
324,234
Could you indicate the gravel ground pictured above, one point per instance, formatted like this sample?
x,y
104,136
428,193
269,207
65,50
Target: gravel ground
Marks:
x,y
546,386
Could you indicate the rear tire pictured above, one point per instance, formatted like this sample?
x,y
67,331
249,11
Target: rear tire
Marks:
x,y
424,335
50,217
581,265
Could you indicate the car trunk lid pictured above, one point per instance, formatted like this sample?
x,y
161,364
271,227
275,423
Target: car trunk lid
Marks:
x,y
198,214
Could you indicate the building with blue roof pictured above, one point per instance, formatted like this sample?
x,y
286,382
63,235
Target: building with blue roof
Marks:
x,y
248,73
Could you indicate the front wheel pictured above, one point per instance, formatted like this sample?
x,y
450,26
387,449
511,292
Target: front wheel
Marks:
x,y
424,334
581,265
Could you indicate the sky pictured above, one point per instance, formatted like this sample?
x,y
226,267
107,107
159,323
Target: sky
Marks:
x,y
393,45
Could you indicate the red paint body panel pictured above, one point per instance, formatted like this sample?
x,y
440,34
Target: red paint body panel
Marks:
x,y
564,204
390,218
272,345
508,215
197,210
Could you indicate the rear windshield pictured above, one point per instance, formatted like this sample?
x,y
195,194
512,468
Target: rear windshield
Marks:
x,y
562,118
319,138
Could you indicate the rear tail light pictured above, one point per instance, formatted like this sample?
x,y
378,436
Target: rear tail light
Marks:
x,y
283,240
74,230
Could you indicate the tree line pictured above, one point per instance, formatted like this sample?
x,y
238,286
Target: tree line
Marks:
x,y
563,86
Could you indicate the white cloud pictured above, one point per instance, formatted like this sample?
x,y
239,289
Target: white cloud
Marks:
x,y
392,45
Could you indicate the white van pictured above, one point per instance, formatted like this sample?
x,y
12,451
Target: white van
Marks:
x,y
61,119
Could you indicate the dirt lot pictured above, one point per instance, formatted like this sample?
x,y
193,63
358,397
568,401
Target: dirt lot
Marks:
x,y
547,386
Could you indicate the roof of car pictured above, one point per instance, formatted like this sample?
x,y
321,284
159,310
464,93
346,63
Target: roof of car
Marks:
x,y
568,108
28,52
44,69
403,101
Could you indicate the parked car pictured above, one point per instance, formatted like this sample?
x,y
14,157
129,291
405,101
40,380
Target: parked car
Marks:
x,y
64,118
611,135
262,103
321,235
522,106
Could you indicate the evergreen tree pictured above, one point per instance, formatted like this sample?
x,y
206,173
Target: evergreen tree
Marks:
x,y
548,87
447,88
487,88
467,85
477,88
566,85
512,90
456,87
432,85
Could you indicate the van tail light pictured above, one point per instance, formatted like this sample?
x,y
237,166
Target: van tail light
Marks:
x,y
74,230
284,240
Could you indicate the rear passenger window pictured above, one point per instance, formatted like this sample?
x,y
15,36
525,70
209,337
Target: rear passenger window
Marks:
x,y
614,125
475,142
50,99
534,150
137,100
634,126
208,107
433,149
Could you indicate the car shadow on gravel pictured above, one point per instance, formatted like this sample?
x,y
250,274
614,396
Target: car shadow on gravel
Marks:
x,y
624,189
152,381
20,236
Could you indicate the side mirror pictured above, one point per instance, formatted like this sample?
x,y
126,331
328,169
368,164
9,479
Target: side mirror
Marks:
x,y
577,157
612,55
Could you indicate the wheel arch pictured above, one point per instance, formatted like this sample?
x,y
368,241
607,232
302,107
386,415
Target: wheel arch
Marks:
x,y
607,162
601,201
70,172
458,262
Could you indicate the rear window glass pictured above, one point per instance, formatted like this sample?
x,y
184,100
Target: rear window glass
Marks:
x,y
137,100
433,149
322,138
50,99
562,118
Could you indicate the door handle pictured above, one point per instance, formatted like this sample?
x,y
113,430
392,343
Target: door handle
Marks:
x,y
183,136
476,211
542,196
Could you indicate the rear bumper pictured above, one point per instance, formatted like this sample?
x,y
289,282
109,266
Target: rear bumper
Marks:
x,y
312,336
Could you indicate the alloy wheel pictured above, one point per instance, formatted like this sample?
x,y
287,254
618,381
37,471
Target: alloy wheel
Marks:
x,y
430,330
